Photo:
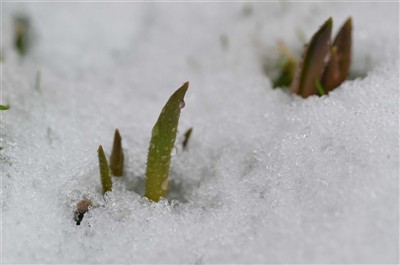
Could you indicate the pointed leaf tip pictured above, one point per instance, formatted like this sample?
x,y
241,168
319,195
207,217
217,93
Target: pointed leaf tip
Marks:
x,y
329,22
184,88
343,42
349,21
326,27
117,156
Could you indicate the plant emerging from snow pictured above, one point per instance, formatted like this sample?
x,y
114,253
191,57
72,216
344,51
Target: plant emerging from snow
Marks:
x,y
105,175
117,156
324,65
163,136
21,38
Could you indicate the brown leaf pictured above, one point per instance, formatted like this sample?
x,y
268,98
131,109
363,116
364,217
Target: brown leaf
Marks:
x,y
313,62
343,44
331,77
117,156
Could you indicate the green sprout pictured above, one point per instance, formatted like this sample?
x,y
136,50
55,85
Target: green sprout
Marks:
x,y
187,135
320,89
117,156
105,175
323,62
163,136
4,107
287,67
21,37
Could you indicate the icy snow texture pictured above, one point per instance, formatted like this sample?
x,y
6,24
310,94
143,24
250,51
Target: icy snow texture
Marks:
x,y
268,176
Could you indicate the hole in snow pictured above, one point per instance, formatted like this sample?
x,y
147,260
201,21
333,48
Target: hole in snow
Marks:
x,y
177,190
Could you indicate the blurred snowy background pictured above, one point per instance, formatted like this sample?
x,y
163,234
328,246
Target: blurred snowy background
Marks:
x,y
268,177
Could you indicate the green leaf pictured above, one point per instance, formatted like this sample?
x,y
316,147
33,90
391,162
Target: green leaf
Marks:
x,y
313,63
162,142
2,107
117,156
105,175
287,68
21,27
187,135
320,88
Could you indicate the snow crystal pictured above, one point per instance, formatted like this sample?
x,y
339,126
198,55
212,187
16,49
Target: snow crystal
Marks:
x,y
267,177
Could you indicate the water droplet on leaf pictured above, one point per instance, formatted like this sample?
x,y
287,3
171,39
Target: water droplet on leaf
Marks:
x,y
182,104
164,185
155,131
174,151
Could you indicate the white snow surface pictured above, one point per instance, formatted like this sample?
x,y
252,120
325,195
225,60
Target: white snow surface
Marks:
x,y
268,177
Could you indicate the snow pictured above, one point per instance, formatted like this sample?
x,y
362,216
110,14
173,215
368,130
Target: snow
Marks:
x,y
268,177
